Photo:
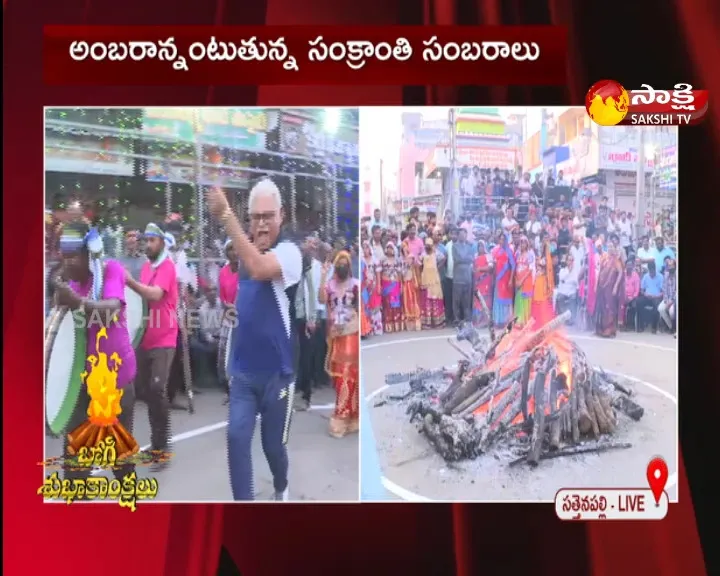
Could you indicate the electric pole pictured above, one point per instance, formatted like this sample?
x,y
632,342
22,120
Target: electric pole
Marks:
x,y
454,196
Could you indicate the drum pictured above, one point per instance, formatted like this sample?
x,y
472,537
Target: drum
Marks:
x,y
65,351
136,313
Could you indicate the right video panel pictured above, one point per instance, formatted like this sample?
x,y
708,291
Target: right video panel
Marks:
x,y
519,316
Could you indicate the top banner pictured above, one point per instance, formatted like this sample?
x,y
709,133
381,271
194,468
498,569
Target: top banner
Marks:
x,y
225,127
294,55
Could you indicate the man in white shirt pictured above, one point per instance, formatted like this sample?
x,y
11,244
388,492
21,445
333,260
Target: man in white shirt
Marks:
x,y
577,251
560,180
645,253
509,222
579,224
375,242
533,226
567,290
625,232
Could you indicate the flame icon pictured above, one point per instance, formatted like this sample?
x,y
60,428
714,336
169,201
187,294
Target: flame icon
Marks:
x,y
101,381
104,407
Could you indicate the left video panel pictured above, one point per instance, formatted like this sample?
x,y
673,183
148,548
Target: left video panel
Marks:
x,y
201,325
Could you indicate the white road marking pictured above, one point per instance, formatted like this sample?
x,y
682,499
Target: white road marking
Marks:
x,y
195,432
572,336
410,496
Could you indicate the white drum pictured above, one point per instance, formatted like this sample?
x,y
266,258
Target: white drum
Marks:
x,y
228,348
65,350
136,313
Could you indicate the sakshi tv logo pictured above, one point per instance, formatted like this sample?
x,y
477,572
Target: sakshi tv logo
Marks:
x,y
608,103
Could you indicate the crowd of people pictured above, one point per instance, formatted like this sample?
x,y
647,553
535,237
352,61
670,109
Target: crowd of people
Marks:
x,y
544,255
286,310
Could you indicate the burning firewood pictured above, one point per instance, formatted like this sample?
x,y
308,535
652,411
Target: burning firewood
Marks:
x,y
534,389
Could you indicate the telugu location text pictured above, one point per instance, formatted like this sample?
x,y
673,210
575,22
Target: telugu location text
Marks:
x,y
611,504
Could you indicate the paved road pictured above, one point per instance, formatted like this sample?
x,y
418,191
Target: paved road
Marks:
x,y
414,471
321,468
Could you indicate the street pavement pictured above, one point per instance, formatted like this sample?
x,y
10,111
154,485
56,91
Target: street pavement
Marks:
x,y
413,471
322,468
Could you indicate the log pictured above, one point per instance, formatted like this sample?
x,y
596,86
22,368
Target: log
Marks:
x,y
538,430
619,387
576,450
488,315
463,366
503,403
508,328
555,427
585,423
606,403
487,396
458,349
510,414
430,429
78,437
472,402
575,431
587,396
537,337
466,389
628,407
596,411
525,383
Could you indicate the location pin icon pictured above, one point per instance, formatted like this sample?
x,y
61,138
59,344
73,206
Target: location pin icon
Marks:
x,y
657,477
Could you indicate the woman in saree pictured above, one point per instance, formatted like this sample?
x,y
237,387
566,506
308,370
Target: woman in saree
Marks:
x,y
410,289
524,282
483,285
390,281
587,288
542,301
432,307
504,259
610,290
372,299
341,295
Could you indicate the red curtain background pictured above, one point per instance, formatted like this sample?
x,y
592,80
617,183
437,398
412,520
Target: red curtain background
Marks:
x,y
643,41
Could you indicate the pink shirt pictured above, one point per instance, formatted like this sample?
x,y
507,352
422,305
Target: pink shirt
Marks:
x,y
118,338
632,286
416,246
227,285
162,328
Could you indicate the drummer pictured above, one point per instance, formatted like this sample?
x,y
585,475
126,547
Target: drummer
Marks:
x,y
159,287
96,287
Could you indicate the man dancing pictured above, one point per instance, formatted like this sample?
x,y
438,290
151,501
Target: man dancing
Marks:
x,y
159,287
262,355
97,288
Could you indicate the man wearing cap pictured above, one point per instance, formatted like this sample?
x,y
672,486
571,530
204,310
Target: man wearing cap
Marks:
x,y
262,358
96,288
158,285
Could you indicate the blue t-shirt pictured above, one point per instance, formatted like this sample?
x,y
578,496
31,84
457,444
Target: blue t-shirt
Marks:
x,y
652,286
262,339
660,256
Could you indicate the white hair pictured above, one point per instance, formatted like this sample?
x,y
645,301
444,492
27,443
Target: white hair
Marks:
x,y
265,187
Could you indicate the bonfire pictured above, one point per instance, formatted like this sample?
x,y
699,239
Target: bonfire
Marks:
x,y
531,391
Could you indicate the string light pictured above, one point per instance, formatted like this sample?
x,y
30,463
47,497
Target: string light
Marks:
x,y
309,179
